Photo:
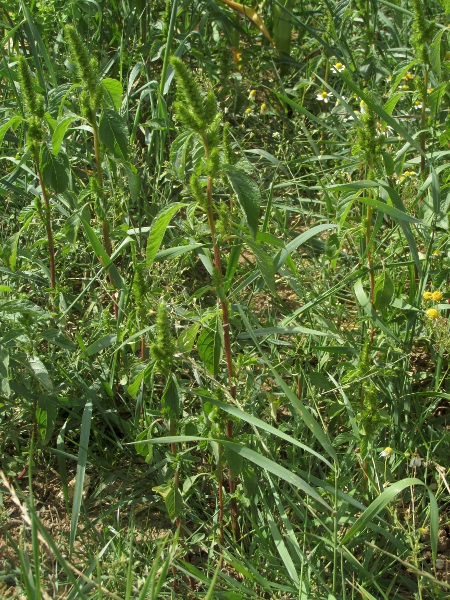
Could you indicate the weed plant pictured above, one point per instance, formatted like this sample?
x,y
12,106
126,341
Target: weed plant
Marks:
x,y
224,263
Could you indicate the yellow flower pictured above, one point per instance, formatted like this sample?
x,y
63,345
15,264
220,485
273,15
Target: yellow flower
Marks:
x,y
436,296
263,109
252,95
427,296
248,111
338,67
437,252
432,313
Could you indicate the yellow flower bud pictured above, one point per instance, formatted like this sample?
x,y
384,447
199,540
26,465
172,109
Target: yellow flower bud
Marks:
x,y
432,313
263,109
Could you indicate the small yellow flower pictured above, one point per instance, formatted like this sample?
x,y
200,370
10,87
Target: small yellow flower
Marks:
x,y
408,76
432,313
252,95
422,530
436,296
429,90
437,252
338,67
263,108
386,452
389,78
248,111
427,296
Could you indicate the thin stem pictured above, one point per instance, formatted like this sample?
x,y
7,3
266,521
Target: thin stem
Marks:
x,y
423,122
47,220
105,226
226,331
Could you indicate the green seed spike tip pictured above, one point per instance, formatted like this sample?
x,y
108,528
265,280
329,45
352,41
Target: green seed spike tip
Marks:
x,y
188,90
80,57
27,87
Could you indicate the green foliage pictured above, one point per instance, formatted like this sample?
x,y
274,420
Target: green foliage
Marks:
x,y
289,408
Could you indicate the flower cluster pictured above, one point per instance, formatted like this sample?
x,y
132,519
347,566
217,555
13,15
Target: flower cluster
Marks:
x,y
435,296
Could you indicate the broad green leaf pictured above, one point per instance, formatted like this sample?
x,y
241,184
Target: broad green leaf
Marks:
x,y
265,265
384,290
186,339
24,307
377,506
113,133
158,229
113,91
54,170
60,131
210,346
248,195
39,370
102,343
170,400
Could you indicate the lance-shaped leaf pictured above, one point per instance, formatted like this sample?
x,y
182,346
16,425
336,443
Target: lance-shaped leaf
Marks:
x,y
113,133
248,195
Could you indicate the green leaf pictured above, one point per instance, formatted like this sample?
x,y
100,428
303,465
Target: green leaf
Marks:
x,y
248,195
102,255
370,311
170,401
210,346
60,131
54,170
40,372
171,253
134,182
304,413
113,133
186,339
46,414
158,230
265,265
55,336
13,123
85,432
383,292
252,456
377,506
5,390
390,210
101,344
113,91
